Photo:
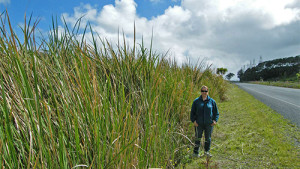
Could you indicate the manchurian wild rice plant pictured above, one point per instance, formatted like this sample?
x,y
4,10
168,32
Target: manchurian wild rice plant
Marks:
x,y
66,103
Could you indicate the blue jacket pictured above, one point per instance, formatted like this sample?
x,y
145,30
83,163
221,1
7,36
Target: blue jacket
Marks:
x,y
204,112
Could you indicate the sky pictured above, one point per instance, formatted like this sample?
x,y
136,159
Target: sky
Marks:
x,y
224,33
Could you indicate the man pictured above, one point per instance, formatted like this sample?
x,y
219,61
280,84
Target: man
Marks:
x,y
204,115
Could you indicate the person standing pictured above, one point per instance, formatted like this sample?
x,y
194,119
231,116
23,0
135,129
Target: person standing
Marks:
x,y
204,115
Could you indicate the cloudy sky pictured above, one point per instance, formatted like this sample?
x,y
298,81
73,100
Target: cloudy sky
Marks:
x,y
226,33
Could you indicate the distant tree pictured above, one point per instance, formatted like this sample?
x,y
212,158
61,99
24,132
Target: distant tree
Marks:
x,y
221,71
298,76
229,76
271,70
240,74
260,59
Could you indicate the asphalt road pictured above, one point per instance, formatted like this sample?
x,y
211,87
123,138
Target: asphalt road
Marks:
x,y
285,101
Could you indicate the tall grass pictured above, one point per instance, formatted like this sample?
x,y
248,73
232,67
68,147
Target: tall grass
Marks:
x,y
66,103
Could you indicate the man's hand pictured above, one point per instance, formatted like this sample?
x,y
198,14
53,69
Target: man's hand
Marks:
x,y
214,123
195,124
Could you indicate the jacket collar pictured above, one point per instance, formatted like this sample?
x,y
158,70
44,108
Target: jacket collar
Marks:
x,y
208,98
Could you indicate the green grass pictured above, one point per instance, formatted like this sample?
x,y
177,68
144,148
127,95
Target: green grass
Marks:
x,y
250,135
66,103
289,84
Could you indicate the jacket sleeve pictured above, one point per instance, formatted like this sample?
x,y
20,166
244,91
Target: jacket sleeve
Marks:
x,y
215,112
193,112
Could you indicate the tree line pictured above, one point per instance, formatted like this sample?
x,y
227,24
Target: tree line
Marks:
x,y
271,70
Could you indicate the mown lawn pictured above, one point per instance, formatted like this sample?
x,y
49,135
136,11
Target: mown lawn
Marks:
x,y
250,135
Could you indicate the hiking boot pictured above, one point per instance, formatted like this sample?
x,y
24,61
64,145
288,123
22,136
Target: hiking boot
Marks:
x,y
196,155
207,154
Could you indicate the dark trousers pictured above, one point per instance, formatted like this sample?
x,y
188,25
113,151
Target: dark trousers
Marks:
x,y
207,129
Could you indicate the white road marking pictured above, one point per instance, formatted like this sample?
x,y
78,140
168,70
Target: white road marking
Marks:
x,y
273,97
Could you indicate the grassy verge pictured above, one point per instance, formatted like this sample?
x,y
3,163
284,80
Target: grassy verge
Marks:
x,y
288,84
251,135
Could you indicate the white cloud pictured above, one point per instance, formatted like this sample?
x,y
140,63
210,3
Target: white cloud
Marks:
x,y
123,14
87,13
227,33
275,12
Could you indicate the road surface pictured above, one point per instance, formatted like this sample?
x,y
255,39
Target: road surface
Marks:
x,y
285,101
